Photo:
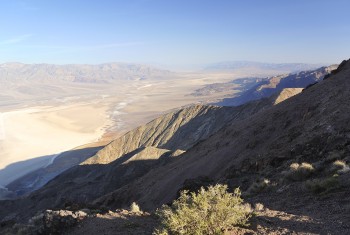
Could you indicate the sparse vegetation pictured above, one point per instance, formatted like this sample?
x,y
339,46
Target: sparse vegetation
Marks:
x,y
340,167
258,186
259,207
323,185
299,172
211,211
135,208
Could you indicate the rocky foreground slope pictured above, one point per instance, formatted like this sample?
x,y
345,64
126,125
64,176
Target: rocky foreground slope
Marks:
x,y
293,157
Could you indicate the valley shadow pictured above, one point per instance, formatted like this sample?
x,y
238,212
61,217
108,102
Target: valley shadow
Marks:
x,y
82,184
20,168
34,173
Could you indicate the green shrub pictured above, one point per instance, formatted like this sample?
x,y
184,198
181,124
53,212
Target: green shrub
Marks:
x,y
211,211
299,172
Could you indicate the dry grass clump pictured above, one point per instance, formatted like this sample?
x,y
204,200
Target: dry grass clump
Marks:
x,y
340,167
299,172
323,185
211,211
259,207
135,208
258,186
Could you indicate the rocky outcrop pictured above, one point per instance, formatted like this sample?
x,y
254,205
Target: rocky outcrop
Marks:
x,y
48,223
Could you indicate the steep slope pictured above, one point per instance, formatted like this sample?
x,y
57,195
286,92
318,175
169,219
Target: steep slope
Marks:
x,y
278,83
311,127
286,94
168,131
129,157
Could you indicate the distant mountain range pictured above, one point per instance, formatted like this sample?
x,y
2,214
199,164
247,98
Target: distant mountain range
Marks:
x,y
109,72
101,73
235,65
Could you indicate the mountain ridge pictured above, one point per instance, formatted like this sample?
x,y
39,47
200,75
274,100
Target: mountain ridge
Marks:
x,y
99,73
275,84
234,65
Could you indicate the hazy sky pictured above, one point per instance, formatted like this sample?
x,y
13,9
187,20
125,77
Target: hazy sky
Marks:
x,y
175,32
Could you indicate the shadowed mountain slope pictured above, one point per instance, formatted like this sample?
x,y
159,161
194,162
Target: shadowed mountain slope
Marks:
x,y
310,127
131,156
36,179
277,84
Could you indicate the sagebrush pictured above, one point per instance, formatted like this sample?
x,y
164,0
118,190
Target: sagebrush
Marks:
x,y
210,211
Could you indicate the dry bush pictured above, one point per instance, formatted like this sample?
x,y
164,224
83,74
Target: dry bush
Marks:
x,y
259,207
299,172
340,167
211,211
134,208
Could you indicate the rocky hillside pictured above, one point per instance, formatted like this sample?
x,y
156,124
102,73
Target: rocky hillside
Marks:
x,y
293,157
174,133
276,84
127,158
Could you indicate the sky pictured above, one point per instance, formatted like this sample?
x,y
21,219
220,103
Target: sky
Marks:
x,y
174,32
